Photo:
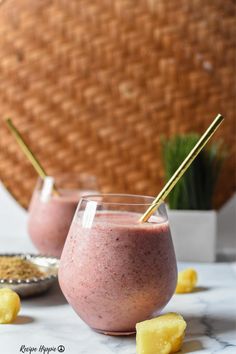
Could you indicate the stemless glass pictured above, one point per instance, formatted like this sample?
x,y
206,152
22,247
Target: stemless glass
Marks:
x,y
114,270
49,219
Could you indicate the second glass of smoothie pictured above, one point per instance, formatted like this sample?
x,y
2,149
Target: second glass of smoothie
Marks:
x,y
50,219
114,270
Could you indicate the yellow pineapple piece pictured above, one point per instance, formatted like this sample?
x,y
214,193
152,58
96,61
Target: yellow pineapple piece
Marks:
x,y
161,335
9,305
187,280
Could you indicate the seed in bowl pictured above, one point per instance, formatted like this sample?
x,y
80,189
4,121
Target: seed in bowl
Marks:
x,y
18,268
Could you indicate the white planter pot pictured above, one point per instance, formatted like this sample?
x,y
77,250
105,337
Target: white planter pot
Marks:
x,y
194,234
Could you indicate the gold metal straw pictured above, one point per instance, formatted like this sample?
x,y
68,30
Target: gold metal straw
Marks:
x,y
182,168
28,153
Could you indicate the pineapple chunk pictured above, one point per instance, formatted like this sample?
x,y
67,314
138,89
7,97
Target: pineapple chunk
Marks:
x,y
161,335
9,305
187,280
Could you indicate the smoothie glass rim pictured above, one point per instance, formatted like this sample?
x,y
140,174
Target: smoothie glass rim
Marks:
x,y
97,198
80,179
123,202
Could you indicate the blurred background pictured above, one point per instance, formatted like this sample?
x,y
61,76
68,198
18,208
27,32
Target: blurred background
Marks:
x,y
102,86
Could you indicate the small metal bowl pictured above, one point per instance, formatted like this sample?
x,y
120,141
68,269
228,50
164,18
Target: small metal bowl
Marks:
x,y
37,285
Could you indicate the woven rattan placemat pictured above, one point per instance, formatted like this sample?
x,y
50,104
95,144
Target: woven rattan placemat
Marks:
x,y
92,85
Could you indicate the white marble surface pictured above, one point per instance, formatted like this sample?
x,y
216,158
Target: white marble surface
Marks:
x,y
48,320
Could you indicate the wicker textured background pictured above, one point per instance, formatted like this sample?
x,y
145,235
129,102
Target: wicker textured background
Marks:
x,y
93,84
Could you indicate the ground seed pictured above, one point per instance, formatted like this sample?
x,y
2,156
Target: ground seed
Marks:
x,y
18,268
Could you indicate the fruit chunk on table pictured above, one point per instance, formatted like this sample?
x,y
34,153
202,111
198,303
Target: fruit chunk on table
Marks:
x,y
9,305
161,335
187,280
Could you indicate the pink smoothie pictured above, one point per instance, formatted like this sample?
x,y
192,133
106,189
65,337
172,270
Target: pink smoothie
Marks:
x,y
49,222
118,272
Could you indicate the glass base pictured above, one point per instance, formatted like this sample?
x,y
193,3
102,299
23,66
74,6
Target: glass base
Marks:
x,y
112,333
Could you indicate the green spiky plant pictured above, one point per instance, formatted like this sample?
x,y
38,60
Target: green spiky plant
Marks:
x,y
196,188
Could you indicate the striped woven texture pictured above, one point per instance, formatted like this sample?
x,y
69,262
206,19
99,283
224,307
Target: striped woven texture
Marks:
x,y
92,85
